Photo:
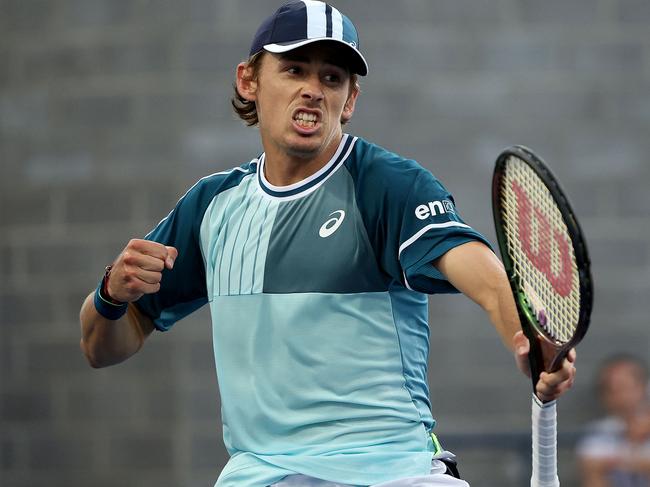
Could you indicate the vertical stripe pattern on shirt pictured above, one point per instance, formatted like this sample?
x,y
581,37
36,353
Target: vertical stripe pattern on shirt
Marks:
x,y
243,254
234,251
259,258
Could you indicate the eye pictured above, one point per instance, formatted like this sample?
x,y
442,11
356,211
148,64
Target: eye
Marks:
x,y
334,75
333,78
293,69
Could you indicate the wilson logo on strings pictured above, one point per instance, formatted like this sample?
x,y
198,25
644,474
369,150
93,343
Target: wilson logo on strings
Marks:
x,y
534,226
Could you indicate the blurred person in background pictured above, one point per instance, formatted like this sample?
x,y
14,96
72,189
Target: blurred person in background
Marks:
x,y
615,450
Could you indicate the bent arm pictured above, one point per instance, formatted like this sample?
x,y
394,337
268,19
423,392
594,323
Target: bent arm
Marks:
x,y
475,270
105,342
135,272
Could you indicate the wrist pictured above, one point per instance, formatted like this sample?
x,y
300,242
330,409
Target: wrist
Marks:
x,y
104,287
105,305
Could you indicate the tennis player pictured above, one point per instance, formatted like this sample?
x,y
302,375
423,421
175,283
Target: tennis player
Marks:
x,y
316,258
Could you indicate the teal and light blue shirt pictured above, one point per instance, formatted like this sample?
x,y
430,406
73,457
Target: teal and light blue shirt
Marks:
x,y
317,293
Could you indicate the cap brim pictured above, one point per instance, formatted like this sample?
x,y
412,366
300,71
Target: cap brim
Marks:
x,y
358,62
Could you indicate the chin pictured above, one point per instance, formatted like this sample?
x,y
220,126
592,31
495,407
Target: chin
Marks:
x,y
305,145
303,152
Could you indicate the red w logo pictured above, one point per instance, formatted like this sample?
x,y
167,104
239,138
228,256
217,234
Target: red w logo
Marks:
x,y
541,256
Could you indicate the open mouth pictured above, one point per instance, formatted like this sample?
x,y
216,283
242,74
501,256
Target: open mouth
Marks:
x,y
305,120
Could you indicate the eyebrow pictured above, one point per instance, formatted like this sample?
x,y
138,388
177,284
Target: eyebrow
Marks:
x,y
299,58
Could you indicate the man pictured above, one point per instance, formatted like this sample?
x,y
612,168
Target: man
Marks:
x,y
615,451
315,258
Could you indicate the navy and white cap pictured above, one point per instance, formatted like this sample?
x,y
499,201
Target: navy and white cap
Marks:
x,y
297,24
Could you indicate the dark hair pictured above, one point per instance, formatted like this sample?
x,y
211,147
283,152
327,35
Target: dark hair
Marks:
x,y
247,110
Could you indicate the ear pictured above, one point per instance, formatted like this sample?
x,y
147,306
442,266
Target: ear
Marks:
x,y
246,83
348,108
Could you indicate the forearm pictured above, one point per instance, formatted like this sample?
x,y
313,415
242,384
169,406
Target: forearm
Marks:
x,y
593,472
136,271
476,272
105,342
497,300
637,463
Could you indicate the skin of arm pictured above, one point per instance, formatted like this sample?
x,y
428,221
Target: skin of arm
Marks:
x,y
594,472
105,342
638,432
135,272
477,272
637,463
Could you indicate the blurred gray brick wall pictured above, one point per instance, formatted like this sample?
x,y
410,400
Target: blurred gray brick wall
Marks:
x,y
110,109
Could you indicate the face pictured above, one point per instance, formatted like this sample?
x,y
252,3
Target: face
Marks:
x,y
623,388
301,98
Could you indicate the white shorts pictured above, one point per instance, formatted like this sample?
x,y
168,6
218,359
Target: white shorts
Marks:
x,y
437,478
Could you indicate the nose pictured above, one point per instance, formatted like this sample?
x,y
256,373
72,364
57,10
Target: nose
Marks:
x,y
312,90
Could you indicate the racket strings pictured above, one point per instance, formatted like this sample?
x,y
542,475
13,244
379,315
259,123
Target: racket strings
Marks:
x,y
541,249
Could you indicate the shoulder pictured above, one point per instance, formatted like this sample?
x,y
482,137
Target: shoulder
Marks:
x,y
189,210
607,427
191,207
222,180
206,188
601,438
378,167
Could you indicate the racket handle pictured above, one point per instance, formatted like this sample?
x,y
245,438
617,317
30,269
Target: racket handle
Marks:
x,y
544,444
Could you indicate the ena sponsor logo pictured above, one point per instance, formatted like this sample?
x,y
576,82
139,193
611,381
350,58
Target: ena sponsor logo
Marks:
x,y
433,208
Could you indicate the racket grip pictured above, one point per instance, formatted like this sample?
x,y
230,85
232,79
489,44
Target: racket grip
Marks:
x,y
544,417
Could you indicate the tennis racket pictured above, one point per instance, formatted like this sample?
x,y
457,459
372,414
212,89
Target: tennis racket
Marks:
x,y
545,257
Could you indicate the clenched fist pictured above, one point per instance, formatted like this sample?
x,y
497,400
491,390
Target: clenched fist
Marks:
x,y
138,269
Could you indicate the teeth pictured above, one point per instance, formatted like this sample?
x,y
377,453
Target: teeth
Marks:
x,y
308,119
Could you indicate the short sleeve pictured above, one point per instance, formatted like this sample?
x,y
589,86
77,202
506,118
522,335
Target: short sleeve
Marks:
x,y
183,288
430,227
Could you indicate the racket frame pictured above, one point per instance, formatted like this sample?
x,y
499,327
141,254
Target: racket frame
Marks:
x,y
533,330
544,419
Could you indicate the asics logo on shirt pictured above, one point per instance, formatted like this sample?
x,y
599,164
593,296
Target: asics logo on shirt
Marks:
x,y
332,225
433,208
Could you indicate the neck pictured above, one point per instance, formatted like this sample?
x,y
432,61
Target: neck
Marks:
x,y
283,168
